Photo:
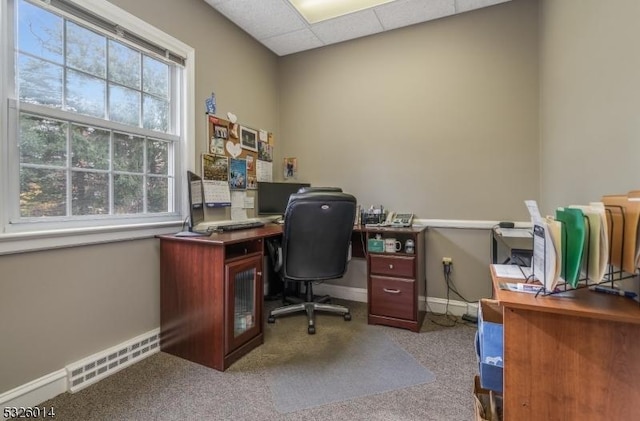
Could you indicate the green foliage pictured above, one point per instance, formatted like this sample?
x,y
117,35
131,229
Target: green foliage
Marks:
x,y
70,169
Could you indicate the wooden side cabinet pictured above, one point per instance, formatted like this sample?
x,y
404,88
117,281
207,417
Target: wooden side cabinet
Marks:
x,y
396,280
211,294
572,357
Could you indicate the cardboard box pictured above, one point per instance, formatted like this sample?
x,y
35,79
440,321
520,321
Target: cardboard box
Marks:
x,y
490,346
487,404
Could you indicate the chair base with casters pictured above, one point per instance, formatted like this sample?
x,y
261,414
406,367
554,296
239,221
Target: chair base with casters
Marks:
x,y
310,307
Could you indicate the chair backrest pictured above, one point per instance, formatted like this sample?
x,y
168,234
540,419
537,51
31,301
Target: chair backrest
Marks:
x,y
317,189
316,235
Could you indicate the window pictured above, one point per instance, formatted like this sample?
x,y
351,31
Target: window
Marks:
x,y
98,118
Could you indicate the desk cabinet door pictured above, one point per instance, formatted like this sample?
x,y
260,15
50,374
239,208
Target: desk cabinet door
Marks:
x,y
243,291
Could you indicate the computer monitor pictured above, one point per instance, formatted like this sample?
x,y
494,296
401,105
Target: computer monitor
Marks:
x,y
196,203
273,197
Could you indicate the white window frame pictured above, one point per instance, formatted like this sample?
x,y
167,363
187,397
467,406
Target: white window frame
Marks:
x,y
14,240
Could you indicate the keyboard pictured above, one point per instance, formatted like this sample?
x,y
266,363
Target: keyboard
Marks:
x,y
240,226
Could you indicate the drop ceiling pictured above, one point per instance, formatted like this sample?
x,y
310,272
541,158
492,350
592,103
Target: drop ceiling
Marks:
x,y
282,29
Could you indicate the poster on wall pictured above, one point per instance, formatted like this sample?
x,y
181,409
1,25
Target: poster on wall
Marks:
x,y
290,167
237,174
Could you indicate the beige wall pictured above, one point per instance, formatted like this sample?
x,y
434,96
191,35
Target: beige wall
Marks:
x,y
440,119
59,306
590,97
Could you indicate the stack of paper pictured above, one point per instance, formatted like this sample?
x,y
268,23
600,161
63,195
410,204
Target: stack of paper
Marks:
x,y
623,214
573,239
546,257
596,246
634,198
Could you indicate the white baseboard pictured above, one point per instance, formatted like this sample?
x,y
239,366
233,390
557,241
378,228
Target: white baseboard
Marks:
x,y
435,305
339,291
36,391
51,385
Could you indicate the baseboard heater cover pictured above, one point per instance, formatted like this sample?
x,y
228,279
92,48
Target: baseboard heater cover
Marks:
x,y
98,366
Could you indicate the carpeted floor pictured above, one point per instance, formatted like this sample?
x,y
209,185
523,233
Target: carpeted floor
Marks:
x,y
164,387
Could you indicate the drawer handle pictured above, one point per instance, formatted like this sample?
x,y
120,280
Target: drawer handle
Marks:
x,y
391,291
390,266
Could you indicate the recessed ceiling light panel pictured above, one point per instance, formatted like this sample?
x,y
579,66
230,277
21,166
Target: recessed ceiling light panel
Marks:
x,y
318,10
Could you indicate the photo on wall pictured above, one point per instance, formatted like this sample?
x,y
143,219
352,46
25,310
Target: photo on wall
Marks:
x,y
251,171
216,146
265,151
249,139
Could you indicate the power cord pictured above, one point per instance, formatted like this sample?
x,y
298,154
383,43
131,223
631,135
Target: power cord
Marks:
x,y
447,268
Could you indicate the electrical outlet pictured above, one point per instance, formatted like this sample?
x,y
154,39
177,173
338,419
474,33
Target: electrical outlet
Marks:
x,y
447,261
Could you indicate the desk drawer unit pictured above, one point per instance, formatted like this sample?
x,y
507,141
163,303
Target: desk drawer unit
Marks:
x,y
393,297
396,280
396,266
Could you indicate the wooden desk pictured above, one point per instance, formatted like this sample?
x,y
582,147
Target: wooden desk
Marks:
x,y
203,281
570,358
211,293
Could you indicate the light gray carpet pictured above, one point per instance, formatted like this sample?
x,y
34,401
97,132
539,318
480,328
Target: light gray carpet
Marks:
x,y
366,363
164,387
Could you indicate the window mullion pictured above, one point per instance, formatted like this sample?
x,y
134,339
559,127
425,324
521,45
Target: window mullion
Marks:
x,y
69,184
111,181
144,174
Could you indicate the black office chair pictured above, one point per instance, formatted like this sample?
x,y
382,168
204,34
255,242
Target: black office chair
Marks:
x,y
315,247
319,189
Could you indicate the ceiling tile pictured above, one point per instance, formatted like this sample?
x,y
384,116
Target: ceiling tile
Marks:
x,y
292,42
408,12
354,25
264,18
277,25
466,5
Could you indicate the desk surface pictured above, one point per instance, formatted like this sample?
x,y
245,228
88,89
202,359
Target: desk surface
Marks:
x,y
230,237
272,230
581,302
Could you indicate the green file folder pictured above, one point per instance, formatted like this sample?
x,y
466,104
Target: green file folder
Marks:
x,y
573,238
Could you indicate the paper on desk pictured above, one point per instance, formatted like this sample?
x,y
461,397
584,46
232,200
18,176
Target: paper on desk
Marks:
x,y
545,258
512,271
238,213
596,246
518,287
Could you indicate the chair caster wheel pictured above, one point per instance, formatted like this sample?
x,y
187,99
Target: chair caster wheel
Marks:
x,y
311,330
271,319
347,317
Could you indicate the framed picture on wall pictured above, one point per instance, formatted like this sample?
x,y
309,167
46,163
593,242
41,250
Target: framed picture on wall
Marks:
x,y
248,139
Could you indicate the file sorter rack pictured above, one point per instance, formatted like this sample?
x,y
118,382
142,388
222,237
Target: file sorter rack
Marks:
x,y
582,282
610,275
